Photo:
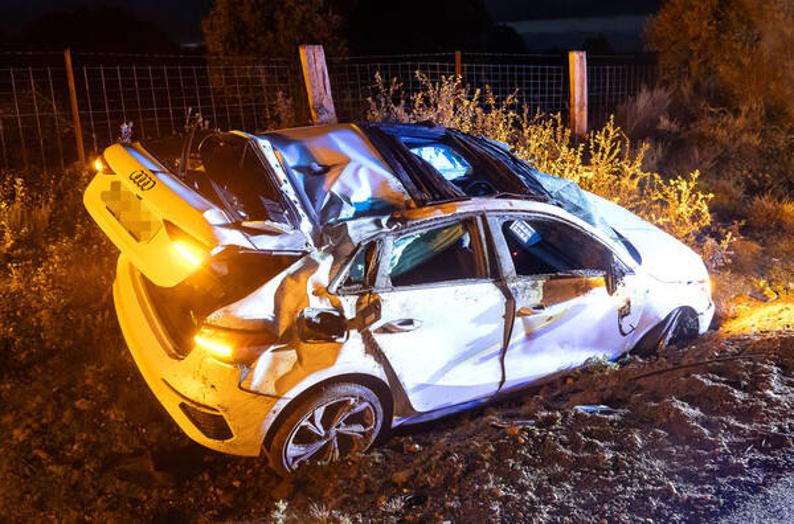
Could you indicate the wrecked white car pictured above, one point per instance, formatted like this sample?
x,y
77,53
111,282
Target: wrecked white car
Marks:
x,y
303,291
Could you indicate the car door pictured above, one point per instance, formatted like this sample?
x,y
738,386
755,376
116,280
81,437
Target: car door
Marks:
x,y
573,298
441,323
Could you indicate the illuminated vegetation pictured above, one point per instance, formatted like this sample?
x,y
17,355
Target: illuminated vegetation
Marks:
x,y
606,163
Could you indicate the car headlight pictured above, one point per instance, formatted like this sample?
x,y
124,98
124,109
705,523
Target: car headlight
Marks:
x,y
190,252
708,286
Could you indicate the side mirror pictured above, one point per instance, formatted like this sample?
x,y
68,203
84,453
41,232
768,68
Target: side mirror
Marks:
x,y
319,326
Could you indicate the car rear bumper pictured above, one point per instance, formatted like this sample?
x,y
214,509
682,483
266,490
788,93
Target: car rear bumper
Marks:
x,y
200,393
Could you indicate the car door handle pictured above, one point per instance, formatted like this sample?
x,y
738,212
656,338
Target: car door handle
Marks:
x,y
528,311
402,325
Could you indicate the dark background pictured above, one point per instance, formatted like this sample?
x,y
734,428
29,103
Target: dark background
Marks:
x,y
374,26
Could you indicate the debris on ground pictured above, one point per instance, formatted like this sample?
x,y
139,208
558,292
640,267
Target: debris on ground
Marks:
x,y
685,436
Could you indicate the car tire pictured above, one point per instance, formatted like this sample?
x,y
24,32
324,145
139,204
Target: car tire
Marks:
x,y
658,337
331,423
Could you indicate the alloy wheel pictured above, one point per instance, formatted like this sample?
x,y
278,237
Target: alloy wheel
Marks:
x,y
332,430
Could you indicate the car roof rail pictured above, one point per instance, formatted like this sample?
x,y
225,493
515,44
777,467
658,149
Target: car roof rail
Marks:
x,y
523,196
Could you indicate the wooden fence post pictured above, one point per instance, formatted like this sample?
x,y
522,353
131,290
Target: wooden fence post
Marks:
x,y
458,64
318,84
577,72
78,129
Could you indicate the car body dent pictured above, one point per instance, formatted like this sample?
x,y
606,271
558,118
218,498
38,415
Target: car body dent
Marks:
x,y
474,340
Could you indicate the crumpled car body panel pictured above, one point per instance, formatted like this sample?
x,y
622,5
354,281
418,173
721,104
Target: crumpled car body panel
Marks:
x,y
446,303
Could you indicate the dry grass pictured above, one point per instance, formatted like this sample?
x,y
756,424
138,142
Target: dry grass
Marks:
x,y
771,213
647,112
23,218
55,268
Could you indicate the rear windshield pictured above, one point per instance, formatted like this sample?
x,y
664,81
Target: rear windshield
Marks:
x,y
227,170
337,174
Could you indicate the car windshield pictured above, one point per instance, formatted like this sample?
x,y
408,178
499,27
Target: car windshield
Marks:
x,y
337,174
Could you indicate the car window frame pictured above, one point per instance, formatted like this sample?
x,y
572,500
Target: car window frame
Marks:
x,y
502,252
480,242
337,286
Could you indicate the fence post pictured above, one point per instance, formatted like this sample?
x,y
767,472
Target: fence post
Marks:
x,y
577,73
318,84
78,129
458,64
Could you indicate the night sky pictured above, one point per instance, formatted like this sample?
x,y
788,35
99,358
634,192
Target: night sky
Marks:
x,y
565,23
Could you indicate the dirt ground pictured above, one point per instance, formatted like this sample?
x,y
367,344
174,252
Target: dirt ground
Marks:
x,y
687,436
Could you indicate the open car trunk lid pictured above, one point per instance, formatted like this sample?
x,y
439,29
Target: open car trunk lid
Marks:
x,y
162,226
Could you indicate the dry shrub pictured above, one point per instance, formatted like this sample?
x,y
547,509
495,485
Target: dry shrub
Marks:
x,y
771,213
677,205
607,163
647,112
280,113
23,218
56,268
746,256
729,194
548,144
447,103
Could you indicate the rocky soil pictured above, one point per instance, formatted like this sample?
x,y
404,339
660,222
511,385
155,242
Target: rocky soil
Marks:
x,y
686,436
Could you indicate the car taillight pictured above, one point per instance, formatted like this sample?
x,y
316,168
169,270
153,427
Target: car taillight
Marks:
x,y
190,250
101,166
232,345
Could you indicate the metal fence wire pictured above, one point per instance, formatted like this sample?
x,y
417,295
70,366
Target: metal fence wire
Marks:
x,y
34,127
353,79
611,84
539,82
158,98
156,93
153,94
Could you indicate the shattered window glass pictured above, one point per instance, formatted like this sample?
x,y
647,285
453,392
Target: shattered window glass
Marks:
x,y
357,275
232,175
438,255
450,164
544,247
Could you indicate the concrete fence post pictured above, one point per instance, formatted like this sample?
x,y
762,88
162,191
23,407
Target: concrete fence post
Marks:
x,y
318,84
577,74
78,129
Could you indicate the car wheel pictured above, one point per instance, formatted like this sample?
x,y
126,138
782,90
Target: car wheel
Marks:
x,y
336,421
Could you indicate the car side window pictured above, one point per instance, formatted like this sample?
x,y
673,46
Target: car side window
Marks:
x,y
361,268
442,254
544,247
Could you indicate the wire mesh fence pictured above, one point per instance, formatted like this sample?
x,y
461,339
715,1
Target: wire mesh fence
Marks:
x,y
156,93
158,99
353,79
34,124
611,84
539,82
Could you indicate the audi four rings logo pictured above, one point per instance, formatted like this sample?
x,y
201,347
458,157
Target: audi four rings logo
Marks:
x,y
143,180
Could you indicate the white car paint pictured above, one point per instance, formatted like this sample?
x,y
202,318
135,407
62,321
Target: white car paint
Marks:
x,y
435,347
